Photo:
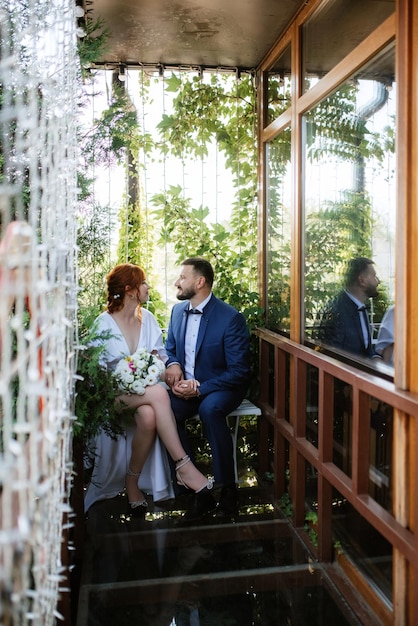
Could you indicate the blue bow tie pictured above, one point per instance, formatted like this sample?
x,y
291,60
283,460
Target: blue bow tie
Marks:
x,y
194,311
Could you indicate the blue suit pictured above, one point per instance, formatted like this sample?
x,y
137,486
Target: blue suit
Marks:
x,y
341,328
221,367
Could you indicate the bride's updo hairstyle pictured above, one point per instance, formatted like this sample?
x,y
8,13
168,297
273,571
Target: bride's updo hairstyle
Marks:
x,y
120,277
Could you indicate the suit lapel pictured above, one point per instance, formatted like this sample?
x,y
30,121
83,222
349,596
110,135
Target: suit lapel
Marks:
x,y
201,334
357,323
204,323
182,334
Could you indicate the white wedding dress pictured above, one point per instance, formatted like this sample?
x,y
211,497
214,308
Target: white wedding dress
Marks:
x,y
110,457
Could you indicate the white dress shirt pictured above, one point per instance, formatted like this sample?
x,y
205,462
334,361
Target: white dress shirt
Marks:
x,y
192,330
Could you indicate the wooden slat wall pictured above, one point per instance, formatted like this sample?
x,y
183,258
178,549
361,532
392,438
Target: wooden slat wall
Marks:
x,y
354,488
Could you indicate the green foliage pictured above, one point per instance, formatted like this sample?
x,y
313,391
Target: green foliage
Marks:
x,y
131,248
342,128
93,45
285,504
114,137
223,111
93,239
136,245
114,132
337,231
193,236
334,234
278,95
311,525
96,391
334,128
279,235
183,131
220,110
136,232
336,131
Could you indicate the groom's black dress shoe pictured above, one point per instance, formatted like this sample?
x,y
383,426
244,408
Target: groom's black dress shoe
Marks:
x,y
228,501
202,504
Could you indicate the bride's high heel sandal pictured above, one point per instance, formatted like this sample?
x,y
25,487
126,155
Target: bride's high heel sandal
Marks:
x,y
203,502
181,463
138,506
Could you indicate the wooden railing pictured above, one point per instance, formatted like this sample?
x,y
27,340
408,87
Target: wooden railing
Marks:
x,y
284,367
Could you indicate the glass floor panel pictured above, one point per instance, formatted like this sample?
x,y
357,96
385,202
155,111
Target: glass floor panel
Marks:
x,y
267,598
249,570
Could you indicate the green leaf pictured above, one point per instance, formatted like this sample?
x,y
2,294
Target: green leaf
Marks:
x,y
173,83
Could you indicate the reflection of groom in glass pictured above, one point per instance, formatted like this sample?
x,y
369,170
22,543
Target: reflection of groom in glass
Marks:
x,y
345,324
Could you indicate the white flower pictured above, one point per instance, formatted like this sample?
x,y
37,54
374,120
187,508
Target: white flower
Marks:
x,y
138,386
151,380
135,372
153,370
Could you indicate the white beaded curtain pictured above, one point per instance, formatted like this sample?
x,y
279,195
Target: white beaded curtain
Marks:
x,y
38,86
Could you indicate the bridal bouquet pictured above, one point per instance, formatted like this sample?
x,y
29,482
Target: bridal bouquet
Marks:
x,y
135,372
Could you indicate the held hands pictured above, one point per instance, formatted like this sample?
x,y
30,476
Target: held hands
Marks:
x,y
186,389
173,374
179,386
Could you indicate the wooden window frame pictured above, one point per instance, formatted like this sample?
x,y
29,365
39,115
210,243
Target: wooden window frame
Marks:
x,y
398,528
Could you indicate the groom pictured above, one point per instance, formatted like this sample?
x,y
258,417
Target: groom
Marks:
x,y
207,372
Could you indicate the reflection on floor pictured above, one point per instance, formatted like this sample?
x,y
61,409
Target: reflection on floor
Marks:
x,y
249,570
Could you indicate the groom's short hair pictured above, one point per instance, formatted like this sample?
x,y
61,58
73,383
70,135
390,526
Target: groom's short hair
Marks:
x,y
354,268
202,267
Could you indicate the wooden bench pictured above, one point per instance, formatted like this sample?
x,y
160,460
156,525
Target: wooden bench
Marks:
x,y
245,408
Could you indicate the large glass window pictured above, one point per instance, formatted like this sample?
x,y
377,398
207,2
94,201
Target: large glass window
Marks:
x,y
279,86
335,30
278,232
355,537
339,194
349,195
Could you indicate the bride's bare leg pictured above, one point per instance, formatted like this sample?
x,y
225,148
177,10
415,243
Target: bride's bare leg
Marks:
x,y
142,441
157,397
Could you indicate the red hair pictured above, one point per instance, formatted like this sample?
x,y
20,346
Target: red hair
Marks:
x,y
119,278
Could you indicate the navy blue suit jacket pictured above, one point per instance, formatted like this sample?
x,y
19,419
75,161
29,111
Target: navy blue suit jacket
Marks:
x,y
222,348
341,328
